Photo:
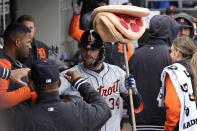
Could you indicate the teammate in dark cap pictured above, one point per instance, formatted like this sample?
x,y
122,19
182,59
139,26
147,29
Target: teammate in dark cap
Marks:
x,y
171,11
186,24
50,113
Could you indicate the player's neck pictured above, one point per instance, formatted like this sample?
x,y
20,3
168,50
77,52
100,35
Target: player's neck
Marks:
x,y
11,52
95,68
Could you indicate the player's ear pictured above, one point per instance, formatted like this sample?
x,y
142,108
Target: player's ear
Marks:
x,y
17,43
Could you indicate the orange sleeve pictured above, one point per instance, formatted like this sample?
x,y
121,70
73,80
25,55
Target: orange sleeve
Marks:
x,y
74,31
129,51
12,98
34,97
172,105
139,109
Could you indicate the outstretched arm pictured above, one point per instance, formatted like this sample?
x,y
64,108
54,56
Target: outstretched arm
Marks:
x,y
74,31
94,108
9,98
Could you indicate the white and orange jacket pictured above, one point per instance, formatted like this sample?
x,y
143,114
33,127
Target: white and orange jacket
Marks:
x,y
178,99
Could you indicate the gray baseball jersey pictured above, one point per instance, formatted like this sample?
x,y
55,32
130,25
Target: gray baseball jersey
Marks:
x,y
110,82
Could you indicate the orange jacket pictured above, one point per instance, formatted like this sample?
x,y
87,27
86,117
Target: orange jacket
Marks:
x,y
172,105
11,97
75,32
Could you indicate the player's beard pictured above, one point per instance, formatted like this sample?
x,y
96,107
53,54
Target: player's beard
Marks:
x,y
88,61
24,53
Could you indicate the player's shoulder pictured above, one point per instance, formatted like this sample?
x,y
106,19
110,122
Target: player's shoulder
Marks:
x,y
40,44
74,68
113,67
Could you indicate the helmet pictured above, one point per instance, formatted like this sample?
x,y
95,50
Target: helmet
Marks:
x,y
91,40
98,2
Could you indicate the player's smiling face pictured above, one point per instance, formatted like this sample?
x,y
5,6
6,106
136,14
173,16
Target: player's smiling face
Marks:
x,y
89,55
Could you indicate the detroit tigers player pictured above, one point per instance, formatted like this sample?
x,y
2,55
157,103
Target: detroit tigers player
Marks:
x,y
107,79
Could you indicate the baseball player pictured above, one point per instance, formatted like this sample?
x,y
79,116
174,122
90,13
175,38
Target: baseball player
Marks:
x,y
107,79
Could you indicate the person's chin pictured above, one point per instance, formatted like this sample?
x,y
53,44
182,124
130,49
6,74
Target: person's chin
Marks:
x,y
88,60
184,35
88,63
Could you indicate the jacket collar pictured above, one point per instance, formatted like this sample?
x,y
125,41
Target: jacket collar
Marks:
x,y
51,97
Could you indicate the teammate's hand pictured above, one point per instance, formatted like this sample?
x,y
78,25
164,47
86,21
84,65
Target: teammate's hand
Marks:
x,y
71,76
76,6
17,74
130,83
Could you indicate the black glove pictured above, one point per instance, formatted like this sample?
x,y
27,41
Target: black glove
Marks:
x,y
137,99
130,83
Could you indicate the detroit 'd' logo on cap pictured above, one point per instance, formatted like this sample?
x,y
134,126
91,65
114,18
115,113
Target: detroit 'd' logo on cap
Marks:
x,y
182,20
91,38
171,8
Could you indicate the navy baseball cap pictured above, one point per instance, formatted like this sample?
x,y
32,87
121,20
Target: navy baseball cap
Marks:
x,y
44,71
184,22
171,9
